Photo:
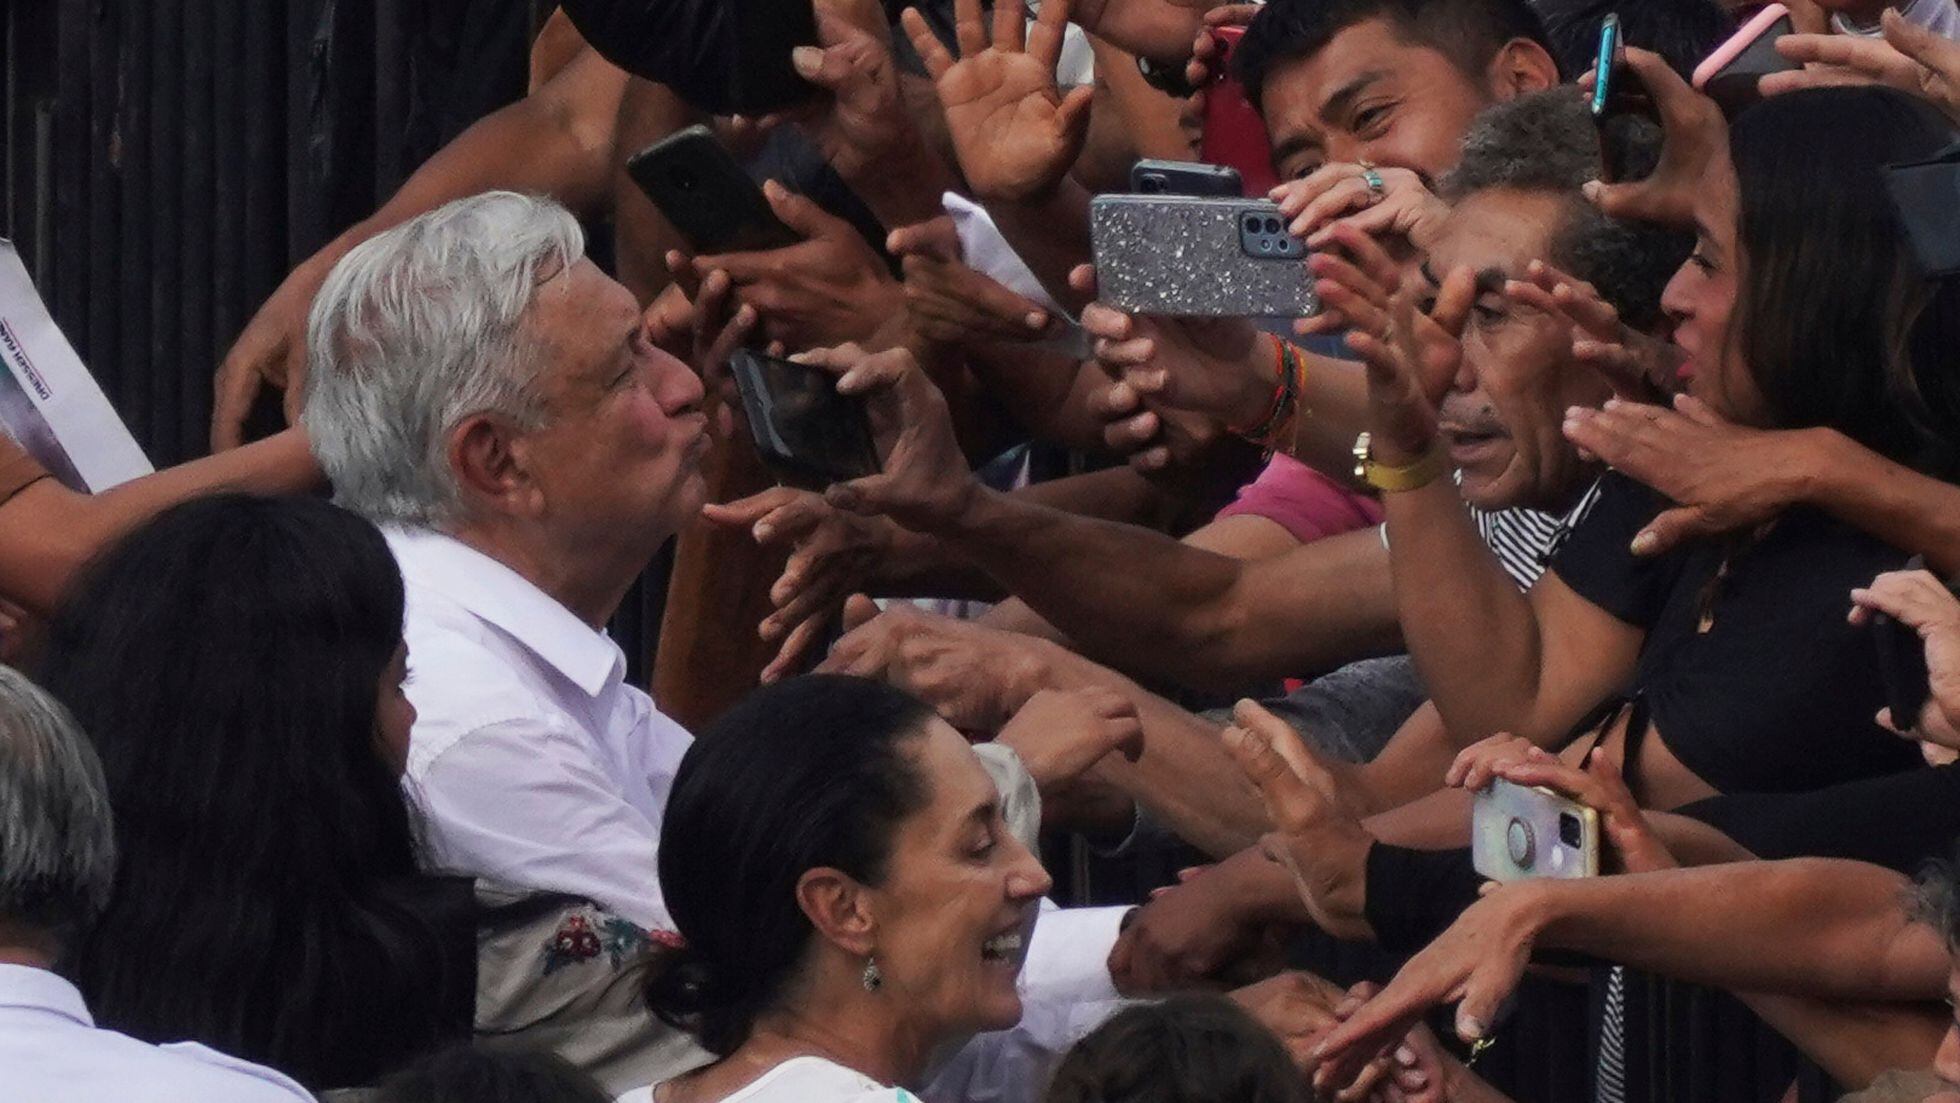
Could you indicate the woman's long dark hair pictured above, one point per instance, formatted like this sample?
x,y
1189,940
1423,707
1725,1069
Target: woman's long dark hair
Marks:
x,y
1836,324
225,660
808,773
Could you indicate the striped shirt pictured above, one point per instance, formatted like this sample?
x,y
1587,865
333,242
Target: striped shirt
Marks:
x,y
1525,540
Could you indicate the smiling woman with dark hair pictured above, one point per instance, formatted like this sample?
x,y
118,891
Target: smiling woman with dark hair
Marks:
x,y
854,904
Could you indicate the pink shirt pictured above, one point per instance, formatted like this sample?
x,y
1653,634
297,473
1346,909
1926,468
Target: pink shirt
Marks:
x,y
1303,501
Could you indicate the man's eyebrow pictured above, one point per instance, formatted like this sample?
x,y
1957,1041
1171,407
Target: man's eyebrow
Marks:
x,y
1428,273
1343,98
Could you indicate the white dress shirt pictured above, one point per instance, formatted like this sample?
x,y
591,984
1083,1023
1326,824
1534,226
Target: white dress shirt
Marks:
x,y
533,762
52,1052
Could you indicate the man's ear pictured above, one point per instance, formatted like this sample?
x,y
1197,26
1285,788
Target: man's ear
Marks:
x,y
1520,68
486,454
839,908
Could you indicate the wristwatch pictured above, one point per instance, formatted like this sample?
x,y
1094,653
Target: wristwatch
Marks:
x,y
1391,480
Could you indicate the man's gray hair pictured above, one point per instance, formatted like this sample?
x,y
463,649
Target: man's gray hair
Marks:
x,y
1546,142
418,329
57,839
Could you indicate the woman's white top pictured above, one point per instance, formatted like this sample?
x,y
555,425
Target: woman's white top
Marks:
x,y
804,1080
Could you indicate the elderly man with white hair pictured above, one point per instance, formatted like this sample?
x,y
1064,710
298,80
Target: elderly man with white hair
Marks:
x,y
491,399
57,866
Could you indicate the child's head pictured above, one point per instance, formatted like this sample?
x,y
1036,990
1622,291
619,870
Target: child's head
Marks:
x,y
466,1074
1186,1049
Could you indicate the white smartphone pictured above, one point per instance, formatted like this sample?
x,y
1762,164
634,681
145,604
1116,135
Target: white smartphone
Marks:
x,y
1519,832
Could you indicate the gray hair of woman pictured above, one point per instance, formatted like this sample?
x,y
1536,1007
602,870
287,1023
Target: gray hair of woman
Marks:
x,y
416,330
57,843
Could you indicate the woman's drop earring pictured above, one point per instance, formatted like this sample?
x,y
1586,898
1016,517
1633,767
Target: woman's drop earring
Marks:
x,y
873,979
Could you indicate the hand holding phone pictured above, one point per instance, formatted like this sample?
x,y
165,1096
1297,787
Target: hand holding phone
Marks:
x,y
707,196
1519,833
1902,663
801,425
1190,256
1618,96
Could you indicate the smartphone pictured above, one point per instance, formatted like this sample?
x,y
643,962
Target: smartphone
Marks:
x,y
1902,663
707,195
1199,256
1729,75
1520,832
1235,135
1618,98
1154,177
802,427
1924,196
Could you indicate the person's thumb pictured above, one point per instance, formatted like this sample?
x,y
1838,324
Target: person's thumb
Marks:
x,y
799,212
869,496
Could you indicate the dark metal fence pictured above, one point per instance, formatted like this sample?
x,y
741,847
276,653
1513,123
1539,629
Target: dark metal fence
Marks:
x,y
167,161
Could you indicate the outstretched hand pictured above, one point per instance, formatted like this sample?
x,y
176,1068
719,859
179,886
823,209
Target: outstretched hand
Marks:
x,y
1910,58
925,482
1721,476
1922,602
1636,365
1695,142
1015,133
1060,734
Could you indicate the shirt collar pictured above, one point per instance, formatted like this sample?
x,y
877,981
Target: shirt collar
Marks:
x,y
27,986
494,593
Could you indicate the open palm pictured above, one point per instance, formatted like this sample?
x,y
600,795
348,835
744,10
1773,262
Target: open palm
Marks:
x,y
1015,133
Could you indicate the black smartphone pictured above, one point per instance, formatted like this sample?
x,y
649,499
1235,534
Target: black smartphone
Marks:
x,y
706,194
802,426
1618,99
1924,195
1729,75
1902,663
1154,177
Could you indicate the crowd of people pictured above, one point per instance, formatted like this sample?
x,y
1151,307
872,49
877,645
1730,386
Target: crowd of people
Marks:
x,y
1615,467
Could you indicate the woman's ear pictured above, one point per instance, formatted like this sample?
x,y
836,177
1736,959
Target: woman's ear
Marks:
x,y
1520,68
839,908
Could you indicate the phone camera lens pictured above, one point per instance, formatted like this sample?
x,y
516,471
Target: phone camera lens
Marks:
x,y
1252,224
1153,183
1568,830
1272,226
1265,245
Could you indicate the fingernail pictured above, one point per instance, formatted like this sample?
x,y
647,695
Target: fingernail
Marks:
x,y
1036,319
764,532
807,59
1590,189
1645,543
1405,1056
1470,1028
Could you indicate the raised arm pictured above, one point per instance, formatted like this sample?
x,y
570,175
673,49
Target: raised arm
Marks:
x,y
557,141
1814,927
48,532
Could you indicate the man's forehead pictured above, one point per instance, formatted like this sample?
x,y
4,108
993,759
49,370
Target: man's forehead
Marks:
x,y
1365,52
1498,230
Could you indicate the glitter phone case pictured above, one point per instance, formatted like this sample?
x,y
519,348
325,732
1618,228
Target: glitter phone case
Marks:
x,y
1198,257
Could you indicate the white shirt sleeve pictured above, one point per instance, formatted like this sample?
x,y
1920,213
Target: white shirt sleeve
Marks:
x,y
522,803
